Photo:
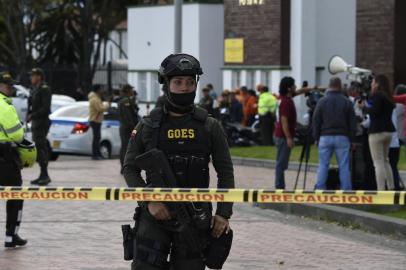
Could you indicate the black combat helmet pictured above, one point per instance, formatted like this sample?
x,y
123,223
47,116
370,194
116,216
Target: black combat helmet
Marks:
x,y
180,64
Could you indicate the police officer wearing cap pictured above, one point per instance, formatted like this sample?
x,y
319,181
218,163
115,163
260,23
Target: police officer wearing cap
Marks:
x,y
128,117
203,140
11,132
38,113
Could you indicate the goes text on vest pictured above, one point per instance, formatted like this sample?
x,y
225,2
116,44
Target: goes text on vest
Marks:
x,y
182,133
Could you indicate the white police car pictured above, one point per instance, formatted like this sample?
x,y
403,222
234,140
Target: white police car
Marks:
x,y
70,131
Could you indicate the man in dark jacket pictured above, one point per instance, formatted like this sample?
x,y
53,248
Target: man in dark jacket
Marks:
x,y
236,111
38,113
334,126
128,116
206,102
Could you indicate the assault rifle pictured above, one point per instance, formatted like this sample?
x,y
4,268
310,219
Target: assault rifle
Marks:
x,y
186,219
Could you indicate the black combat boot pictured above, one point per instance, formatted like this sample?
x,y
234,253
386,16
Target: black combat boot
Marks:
x,y
43,178
15,241
41,181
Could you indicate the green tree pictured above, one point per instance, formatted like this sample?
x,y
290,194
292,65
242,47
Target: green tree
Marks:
x,y
18,19
72,34
68,33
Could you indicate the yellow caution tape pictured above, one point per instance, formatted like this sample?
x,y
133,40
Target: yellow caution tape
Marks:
x,y
202,195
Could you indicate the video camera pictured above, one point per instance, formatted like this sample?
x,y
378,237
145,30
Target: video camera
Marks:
x,y
312,97
363,77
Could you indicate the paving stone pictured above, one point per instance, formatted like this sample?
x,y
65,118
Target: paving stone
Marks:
x,y
86,235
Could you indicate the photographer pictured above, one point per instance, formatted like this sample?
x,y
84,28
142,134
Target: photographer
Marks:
x,y
380,130
334,126
363,175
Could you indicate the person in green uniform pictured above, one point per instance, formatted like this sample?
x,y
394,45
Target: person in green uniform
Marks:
x,y
128,117
267,104
189,138
38,113
206,102
11,132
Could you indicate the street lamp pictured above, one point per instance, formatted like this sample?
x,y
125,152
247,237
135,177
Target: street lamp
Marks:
x,y
178,25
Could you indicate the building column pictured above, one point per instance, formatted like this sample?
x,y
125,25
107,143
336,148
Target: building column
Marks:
x,y
227,79
243,78
303,47
303,40
276,76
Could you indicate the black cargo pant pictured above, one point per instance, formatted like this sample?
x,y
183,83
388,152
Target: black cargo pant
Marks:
x,y
40,130
11,176
394,154
153,244
125,134
369,172
266,126
96,128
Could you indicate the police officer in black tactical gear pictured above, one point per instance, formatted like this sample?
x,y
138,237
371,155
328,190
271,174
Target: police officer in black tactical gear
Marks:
x,y
189,138
128,117
38,113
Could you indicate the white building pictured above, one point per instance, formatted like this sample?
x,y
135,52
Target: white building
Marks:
x,y
151,39
315,29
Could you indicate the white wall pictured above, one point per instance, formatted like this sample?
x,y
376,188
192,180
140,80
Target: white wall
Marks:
x,y
211,36
336,33
319,30
150,36
151,39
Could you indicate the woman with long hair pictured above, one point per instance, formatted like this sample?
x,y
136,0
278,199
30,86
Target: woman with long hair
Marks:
x,y
380,130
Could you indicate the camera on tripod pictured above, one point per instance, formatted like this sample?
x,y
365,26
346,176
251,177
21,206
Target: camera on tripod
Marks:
x,y
312,98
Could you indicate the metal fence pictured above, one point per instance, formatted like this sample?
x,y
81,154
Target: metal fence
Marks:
x,y
66,80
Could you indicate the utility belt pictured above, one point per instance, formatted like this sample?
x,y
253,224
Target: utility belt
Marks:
x,y
214,250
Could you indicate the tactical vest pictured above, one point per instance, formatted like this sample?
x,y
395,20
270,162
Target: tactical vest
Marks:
x,y
185,142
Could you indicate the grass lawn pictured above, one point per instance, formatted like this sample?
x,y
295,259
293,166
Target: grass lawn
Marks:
x,y
401,213
398,214
269,152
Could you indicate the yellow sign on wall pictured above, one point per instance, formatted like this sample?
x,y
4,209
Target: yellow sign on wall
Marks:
x,y
234,50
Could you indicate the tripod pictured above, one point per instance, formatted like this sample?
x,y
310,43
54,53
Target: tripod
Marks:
x,y
305,154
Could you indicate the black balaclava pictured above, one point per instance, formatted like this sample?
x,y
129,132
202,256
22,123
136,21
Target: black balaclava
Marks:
x,y
178,103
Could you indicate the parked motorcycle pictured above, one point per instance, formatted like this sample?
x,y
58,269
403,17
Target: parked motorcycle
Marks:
x,y
237,134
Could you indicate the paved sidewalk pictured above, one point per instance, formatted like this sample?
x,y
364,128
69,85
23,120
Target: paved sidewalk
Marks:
x,y
87,235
